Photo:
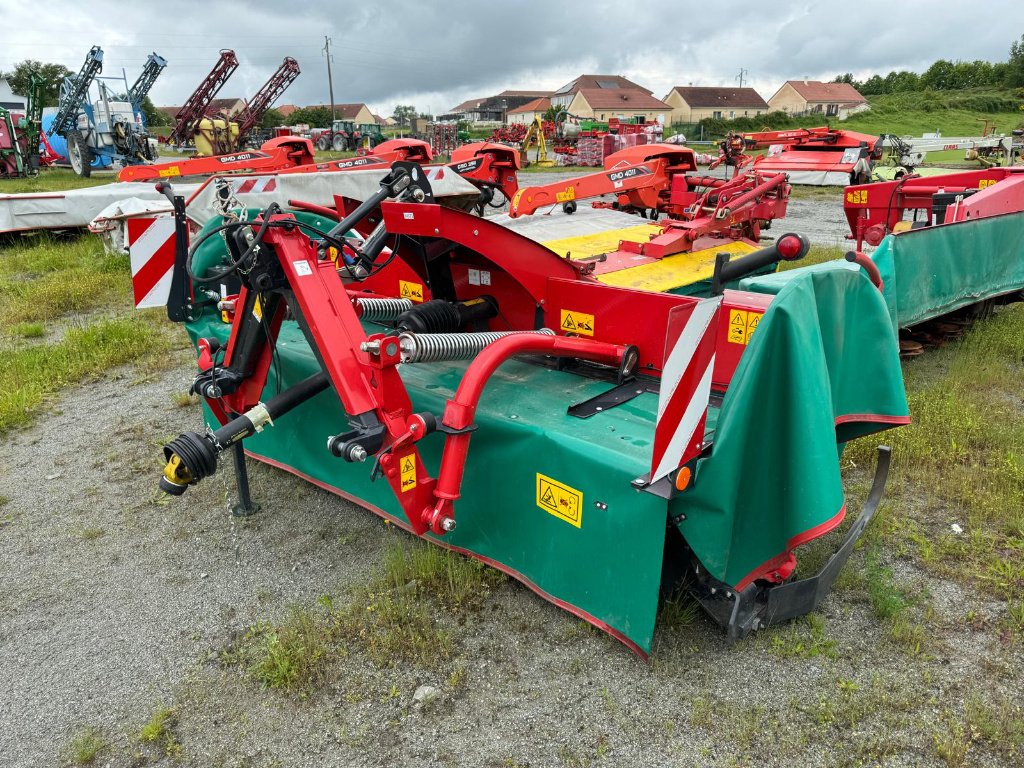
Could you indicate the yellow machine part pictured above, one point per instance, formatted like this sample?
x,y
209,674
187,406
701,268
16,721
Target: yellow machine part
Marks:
x,y
658,276
216,136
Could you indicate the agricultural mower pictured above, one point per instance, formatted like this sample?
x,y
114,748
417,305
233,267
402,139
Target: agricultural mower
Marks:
x,y
819,156
958,255
480,389
110,129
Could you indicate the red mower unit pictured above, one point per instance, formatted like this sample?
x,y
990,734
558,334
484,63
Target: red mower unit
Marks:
x,y
595,441
817,156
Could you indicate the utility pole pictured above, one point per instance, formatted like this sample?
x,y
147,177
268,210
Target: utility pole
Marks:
x,y
330,81
741,75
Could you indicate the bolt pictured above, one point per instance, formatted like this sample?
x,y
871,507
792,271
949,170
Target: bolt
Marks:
x,y
600,505
357,453
391,349
476,232
373,347
447,524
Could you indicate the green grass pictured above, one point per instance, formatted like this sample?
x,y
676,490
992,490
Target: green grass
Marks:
x,y
391,620
54,180
44,277
85,748
32,374
961,461
158,732
50,284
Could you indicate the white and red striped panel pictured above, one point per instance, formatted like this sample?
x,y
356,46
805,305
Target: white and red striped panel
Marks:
x,y
151,249
254,185
685,386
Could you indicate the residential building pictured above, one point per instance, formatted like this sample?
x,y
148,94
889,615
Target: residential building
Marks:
x,y
693,104
832,100
601,97
530,111
492,108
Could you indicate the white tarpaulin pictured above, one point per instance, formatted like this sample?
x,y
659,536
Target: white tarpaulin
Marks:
x,y
72,209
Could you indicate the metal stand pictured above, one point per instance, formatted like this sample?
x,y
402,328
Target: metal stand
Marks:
x,y
244,507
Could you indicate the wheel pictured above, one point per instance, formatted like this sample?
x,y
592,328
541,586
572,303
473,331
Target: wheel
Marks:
x,y
322,144
339,144
79,154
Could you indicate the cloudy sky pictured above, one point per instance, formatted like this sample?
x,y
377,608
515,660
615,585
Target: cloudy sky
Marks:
x,y
435,55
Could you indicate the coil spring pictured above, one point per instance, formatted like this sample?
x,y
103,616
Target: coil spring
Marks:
x,y
435,347
383,310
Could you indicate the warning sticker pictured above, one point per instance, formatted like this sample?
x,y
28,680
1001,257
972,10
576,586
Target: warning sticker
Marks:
x,y
560,500
257,310
857,197
565,197
577,322
172,171
413,291
408,469
742,324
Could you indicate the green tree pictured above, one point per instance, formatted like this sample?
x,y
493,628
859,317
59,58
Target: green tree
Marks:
x,y
1014,76
404,113
315,117
272,118
845,78
154,117
874,85
51,76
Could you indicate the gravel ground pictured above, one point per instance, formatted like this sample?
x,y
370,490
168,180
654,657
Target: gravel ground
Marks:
x,y
116,602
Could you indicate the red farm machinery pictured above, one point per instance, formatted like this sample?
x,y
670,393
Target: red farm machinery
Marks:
x,y
218,134
818,156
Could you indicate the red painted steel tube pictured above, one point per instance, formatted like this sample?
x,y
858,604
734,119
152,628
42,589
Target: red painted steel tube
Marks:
x,y
868,266
319,210
461,409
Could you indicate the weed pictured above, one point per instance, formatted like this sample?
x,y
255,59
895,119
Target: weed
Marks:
x,y
458,676
455,580
85,747
701,712
159,732
952,744
678,612
184,399
803,639
386,622
28,330
91,534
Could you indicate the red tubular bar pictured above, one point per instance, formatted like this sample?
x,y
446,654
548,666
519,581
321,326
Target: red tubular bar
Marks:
x,y
461,409
859,258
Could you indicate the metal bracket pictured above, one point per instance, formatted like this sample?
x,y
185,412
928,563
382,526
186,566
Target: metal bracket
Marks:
x,y
610,398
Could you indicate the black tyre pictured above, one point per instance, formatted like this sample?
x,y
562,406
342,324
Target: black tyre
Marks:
x,y
322,144
340,143
80,154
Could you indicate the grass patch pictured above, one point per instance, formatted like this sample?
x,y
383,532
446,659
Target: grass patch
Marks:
x,y
804,638
31,374
85,748
958,469
391,620
29,330
158,732
54,180
46,277
817,254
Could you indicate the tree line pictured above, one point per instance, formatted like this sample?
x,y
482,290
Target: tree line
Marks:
x,y
945,75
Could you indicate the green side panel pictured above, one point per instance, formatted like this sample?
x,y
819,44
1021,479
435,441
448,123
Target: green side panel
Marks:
x,y
824,353
934,270
608,568
940,269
